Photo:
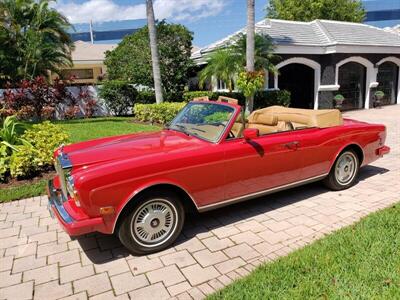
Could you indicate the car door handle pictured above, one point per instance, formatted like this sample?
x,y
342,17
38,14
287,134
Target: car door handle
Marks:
x,y
292,145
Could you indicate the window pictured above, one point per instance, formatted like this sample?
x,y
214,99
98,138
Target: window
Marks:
x,y
352,77
77,73
388,80
221,85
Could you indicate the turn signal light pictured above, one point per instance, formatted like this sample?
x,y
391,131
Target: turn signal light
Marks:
x,y
107,210
76,198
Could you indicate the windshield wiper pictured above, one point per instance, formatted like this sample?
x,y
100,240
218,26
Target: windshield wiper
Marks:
x,y
182,129
198,129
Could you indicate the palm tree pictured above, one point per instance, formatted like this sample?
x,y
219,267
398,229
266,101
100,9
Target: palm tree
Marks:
x,y
223,64
154,50
264,56
34,39
250,45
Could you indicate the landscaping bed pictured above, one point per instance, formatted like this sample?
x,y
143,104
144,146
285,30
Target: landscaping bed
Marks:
x,y
361,261
77,130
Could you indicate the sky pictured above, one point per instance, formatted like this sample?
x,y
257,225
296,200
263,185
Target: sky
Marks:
x,y
209,20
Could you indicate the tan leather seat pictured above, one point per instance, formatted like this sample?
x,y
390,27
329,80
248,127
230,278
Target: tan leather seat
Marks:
x,y
303,118
265,123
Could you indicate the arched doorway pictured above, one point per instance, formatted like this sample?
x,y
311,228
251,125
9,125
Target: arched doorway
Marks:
x,y
388,73
299,80
352,81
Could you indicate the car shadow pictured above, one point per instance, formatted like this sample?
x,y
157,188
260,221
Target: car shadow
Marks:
x,y
101,248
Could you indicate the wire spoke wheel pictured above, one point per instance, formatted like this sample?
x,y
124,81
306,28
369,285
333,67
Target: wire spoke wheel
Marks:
x,y
153,222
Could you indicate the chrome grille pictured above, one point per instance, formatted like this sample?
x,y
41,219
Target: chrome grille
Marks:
x,y
61,173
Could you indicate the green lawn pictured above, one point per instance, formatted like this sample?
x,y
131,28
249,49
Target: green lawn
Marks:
x,y
358,262
23,191
78,130
87,129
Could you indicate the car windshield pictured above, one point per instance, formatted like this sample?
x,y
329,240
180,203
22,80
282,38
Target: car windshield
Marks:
x,y
206,120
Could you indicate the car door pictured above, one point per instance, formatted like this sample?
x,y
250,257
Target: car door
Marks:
x,y
317,150
260,164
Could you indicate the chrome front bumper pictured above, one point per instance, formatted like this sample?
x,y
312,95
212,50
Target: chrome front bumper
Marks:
x,y
55,204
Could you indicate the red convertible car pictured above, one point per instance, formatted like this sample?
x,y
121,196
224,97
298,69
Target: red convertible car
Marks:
x,y
139,186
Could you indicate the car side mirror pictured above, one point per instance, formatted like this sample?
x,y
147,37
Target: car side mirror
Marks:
x,y
250,133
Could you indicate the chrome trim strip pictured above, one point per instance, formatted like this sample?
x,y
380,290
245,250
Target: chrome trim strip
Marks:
x,y
261,193
55,202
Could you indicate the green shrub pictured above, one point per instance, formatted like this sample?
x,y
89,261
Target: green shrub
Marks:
x,y
261,98
189,96
119,96
10,132
146,96
4,162
45,137
24,162
216,117
269,98
157,113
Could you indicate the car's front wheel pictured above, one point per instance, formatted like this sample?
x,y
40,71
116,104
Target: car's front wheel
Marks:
x,y
344,171
154,223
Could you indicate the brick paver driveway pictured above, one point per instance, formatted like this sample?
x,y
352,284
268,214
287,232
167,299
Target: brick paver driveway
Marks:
x,y
38,260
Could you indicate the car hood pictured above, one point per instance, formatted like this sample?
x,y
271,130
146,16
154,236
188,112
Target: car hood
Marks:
x,y
130,146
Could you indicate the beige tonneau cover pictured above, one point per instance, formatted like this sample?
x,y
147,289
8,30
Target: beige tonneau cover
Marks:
x,y
321,118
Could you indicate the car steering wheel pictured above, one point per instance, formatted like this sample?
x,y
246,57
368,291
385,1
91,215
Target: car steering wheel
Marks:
x,y
231,135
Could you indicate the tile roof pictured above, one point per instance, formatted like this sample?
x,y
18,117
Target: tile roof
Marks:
x,y
317,33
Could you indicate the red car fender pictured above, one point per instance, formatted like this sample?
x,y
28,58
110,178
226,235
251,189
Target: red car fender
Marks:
x,y
340,151
144,187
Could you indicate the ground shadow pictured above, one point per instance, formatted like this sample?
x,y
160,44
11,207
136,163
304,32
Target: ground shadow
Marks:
x,y
108,247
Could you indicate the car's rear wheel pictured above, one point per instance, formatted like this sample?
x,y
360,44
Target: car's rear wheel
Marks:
x,y
154,223
344,171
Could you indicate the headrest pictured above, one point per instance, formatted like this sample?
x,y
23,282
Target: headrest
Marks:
x,y
265,119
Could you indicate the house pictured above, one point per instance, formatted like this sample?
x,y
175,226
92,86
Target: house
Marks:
x,y
88,63
320,59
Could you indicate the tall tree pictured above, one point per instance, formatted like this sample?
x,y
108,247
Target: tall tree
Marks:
x,y
131,59
308,10
223,64
33,39
250,45
154,51
264,56
226,63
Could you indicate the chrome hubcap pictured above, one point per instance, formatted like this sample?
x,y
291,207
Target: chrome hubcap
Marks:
x,y
154,222
346,168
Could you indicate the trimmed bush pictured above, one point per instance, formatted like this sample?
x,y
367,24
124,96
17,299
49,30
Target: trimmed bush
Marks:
x,y
4,162
261,98
146,96
45,137
24,162
36,154
189,96
119,96
269,98
157,113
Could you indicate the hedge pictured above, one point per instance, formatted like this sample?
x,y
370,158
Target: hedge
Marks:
x,y
261,98
119,96
157,113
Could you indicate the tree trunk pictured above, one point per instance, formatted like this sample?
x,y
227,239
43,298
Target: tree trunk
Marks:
x,y
250,48
154,50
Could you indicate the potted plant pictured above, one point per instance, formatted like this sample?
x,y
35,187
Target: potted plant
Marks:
x,y
338,100
378,98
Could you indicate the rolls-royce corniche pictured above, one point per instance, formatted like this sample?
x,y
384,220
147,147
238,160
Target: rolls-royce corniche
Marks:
x,y
140,186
